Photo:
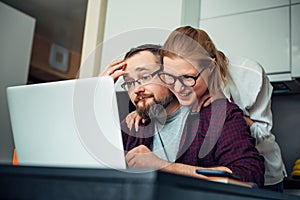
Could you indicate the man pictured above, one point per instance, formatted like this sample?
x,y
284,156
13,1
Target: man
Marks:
x,y
171,139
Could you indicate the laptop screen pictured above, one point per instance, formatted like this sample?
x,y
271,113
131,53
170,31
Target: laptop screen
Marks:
x,y
73,123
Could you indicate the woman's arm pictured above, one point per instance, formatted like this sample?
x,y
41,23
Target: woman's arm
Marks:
x,y
260,112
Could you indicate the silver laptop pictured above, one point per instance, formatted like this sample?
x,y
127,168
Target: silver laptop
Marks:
x,y
73,123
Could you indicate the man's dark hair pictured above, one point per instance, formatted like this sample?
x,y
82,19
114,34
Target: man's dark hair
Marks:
x,y
153,48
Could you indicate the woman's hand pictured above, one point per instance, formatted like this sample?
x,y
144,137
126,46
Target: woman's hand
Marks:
x,y
115,70
205,101
248,121
134,118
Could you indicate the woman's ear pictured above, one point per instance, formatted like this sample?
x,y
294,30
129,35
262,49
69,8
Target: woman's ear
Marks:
x,y
213,64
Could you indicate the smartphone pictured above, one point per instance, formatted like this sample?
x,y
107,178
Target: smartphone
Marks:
x,y
207,172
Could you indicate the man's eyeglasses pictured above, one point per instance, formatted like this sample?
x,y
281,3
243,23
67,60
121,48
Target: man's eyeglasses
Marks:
x,y
187,81
146,78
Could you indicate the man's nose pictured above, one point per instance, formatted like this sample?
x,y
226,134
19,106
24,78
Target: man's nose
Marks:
x,y
138,88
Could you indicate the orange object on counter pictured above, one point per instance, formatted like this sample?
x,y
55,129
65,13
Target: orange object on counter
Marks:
x,y
15,158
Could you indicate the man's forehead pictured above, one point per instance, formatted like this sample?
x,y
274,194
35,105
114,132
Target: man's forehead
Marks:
x,y
140,68
140,59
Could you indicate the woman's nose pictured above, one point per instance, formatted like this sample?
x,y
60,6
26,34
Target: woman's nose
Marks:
x,y
178,87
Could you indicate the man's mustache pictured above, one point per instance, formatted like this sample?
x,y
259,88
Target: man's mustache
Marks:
x,y
142,96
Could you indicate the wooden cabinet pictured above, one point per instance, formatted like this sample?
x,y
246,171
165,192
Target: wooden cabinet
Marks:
x,y
61,24
40,68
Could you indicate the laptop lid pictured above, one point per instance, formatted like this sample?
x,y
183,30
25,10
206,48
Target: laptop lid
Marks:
x,y
73,123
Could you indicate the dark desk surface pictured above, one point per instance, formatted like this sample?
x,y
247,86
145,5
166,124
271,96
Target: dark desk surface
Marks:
x,y
63,183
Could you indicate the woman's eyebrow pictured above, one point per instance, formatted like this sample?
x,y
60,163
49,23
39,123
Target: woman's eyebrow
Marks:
x,y
190,74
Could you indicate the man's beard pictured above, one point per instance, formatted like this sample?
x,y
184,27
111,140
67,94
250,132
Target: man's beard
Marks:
x,y
156,108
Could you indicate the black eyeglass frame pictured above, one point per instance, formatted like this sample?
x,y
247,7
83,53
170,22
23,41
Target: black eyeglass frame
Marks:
x,y
181,78
123,85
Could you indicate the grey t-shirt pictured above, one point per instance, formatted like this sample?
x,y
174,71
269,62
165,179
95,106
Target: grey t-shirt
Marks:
x,y
168,134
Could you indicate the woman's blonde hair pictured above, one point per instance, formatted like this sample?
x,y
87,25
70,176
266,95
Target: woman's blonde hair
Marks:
x,y
196,46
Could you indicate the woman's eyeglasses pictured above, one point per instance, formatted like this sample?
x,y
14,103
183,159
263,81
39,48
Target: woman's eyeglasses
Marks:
x,y
170,79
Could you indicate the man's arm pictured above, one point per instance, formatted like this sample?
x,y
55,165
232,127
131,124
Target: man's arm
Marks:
x,y
115,70
142,157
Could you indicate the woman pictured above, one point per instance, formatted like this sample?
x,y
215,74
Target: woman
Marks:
x,y
244,83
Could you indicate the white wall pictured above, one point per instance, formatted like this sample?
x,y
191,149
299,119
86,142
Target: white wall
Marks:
x,y
261,35
129,24
134,22
214,8
16,32
264,30
128,15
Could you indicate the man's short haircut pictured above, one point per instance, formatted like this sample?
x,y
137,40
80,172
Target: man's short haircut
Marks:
x,y
153,48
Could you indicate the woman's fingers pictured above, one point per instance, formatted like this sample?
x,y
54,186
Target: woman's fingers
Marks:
x,y
130,119
137,122
134,118
207,102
